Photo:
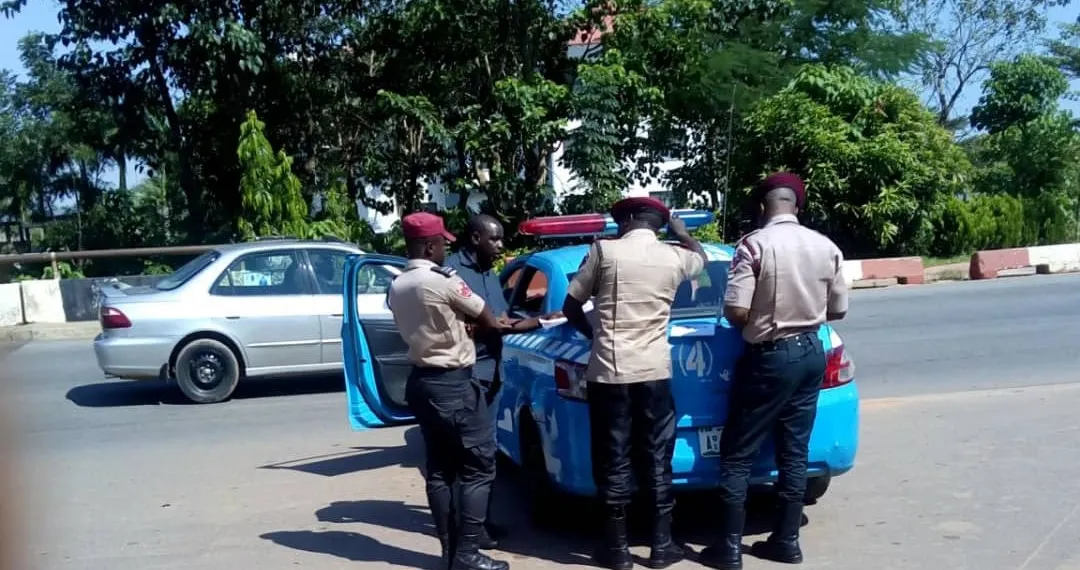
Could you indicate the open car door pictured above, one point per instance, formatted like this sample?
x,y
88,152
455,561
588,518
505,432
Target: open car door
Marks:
x,y
376,357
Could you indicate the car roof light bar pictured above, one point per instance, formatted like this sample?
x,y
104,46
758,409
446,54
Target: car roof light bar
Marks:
x,y
584,225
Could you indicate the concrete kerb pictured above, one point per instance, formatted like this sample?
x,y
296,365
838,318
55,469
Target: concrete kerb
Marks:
x,y
884,272
85,330
1044,259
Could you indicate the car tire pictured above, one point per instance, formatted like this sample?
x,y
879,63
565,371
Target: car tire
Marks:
x,y
207,371
815,489
543,498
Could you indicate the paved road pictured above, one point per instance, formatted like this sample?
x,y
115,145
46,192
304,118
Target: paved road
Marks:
x,y
954,336
121,476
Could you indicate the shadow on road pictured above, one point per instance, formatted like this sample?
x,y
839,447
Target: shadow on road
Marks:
x,y
569,542
126,393
351,546
360,458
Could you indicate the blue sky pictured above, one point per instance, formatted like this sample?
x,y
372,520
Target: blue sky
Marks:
x,y
40,16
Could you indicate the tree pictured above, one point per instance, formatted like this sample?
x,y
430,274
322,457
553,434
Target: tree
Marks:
x,y
1031,147
273,204
877,166
967,37
1017,93
691,68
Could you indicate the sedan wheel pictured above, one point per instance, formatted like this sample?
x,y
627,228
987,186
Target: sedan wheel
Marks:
x,y
207,371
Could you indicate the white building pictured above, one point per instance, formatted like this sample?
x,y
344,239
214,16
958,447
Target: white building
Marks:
x,y
561,179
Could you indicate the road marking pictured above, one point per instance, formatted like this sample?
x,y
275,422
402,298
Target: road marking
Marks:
x,y
878,404
1046,540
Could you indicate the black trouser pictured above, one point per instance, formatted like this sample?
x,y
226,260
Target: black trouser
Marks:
x,y
775,392
459,443
633,425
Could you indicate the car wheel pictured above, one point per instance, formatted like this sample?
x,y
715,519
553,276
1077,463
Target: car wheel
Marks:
x,y
207,371
542,497
816,488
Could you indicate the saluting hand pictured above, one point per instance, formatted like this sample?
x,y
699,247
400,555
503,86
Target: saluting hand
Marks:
x,y
677,227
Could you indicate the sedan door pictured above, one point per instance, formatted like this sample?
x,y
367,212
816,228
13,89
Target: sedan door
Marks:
x,y
371,284
264,301
376,357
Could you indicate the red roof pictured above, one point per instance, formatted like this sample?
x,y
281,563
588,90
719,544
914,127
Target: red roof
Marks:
x,y
593,36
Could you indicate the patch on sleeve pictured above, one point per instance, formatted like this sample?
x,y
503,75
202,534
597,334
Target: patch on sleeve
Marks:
x,y
742,255
447,272
463,290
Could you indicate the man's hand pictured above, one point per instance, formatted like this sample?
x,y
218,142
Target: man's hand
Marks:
x,y
677,228
552,316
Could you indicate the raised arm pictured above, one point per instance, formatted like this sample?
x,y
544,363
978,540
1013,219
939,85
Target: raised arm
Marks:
x,y
581,289
742,282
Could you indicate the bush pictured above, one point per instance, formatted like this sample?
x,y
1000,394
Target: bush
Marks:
x,y
995,221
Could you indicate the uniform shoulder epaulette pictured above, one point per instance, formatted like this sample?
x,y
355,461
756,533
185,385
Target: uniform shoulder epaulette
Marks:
x,y
447,272
746,235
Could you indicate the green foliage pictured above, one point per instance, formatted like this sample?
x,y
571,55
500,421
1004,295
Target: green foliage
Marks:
x,y
966,38
336,100
273,205
1018,92
876,163
709,233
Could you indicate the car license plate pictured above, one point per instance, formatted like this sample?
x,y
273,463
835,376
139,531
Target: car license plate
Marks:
x,y
709,441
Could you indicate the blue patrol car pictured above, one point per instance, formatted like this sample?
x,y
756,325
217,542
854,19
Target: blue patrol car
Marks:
x,y
540,412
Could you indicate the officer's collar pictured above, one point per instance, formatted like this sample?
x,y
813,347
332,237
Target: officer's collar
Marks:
x,y
640,233
469,258
782,219
418,263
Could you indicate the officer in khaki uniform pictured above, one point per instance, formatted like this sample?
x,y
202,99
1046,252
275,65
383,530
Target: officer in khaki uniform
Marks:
x,y
633,281
784,282
431,305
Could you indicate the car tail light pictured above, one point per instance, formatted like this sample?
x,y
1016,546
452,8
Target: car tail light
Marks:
x,y
570,380
113,318
839,368
577,225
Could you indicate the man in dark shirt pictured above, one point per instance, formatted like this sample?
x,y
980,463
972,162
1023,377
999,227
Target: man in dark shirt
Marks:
x,y
481,247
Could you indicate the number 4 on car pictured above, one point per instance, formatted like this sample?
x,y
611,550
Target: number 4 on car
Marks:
x,y
541,414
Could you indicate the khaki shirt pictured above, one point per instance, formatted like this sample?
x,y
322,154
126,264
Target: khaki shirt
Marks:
x,y
428,303
789,276
633,282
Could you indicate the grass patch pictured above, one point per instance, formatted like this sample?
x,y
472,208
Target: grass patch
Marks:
x,y
932,261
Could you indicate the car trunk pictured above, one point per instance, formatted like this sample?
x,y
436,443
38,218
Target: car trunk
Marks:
x,y
703,356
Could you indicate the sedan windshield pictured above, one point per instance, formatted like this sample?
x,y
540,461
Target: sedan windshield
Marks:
x,y
187,271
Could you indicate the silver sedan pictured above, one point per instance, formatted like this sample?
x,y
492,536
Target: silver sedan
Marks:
x,y
263,308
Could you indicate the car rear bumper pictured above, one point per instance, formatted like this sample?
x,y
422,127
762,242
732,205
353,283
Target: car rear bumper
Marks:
x,y
833,446
136,358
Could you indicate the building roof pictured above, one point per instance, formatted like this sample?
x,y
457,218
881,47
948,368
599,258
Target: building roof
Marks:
x,y
593,36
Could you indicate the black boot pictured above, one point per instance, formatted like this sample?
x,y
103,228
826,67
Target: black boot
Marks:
x,y
783,544
447,544
468,556
615,552
492,533
665,551
726,553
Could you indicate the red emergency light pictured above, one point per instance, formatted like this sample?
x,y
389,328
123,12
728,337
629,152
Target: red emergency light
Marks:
x,y
576,225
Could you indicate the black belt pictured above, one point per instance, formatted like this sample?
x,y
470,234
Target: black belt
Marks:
x,y
796,339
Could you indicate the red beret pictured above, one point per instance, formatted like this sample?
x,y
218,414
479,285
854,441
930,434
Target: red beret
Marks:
x,y
782,180
424,225
633,205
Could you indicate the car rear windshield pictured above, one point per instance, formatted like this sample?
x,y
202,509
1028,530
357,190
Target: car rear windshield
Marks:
x,y
187,271
701,296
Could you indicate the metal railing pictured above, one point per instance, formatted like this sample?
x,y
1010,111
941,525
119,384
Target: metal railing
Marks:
x,y
54,257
